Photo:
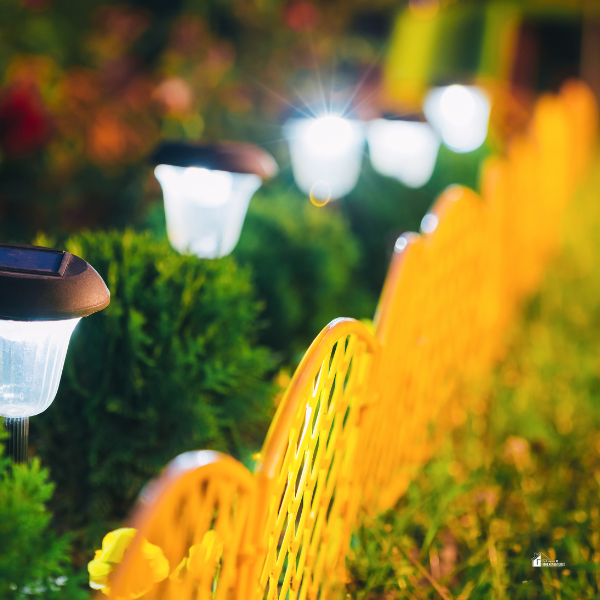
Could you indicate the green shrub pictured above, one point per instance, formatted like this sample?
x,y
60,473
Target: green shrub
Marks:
x,y
33,561
169,366
304,263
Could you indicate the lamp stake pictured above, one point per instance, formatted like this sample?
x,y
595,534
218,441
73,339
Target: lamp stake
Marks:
x,y
16,447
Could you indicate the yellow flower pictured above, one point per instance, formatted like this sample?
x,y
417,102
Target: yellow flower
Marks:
x,y
105,560
203,558
153,568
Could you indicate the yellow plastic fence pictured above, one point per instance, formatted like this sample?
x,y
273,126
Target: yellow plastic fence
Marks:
x,y
365,411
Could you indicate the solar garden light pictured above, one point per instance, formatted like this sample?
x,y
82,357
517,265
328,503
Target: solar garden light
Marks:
x,y
326,154
460,115
405,148
43,295
207,190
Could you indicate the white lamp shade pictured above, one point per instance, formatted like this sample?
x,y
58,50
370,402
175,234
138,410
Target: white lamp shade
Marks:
x,y
326,155
405,150
32,356
460,115
205,209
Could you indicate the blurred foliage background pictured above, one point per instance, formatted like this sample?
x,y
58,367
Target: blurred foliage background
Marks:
x,y
88,91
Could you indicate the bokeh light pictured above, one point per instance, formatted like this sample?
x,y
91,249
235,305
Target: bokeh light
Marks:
x,y
460,115
429,223
205,209
404,150
329,136
320,193
328,149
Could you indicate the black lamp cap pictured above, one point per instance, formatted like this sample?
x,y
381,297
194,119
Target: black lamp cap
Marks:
x,y
42,284
234,157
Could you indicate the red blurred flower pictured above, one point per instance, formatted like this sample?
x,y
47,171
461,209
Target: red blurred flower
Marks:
x,y
174,96
237,97
221,58
301,16
110,139
123,22
35,5
25,125
189,35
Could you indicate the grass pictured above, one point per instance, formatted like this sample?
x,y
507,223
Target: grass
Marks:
x,y
523,474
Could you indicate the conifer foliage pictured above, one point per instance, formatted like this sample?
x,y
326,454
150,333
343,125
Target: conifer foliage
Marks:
x,y
169,366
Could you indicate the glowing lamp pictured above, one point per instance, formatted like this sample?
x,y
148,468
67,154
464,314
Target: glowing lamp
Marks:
x,y
43,295
406,150
460,115
326,155
207,190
